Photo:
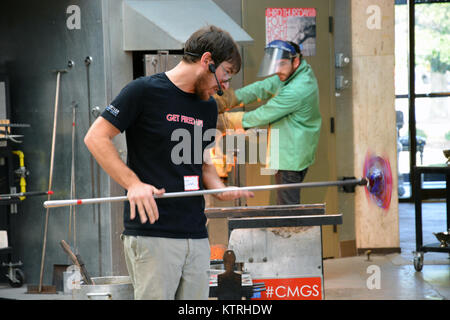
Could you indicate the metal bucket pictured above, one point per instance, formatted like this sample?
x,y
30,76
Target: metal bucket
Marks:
x,y
106,288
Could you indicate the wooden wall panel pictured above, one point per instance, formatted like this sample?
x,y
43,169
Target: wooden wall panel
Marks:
x,y
374,115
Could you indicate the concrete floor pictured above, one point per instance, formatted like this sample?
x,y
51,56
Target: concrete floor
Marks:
x,y
348,278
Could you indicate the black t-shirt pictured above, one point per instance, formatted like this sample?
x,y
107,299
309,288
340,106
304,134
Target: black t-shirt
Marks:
x,y
165,132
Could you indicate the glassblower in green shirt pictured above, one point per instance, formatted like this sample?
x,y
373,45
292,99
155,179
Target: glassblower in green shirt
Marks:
x,y
292,109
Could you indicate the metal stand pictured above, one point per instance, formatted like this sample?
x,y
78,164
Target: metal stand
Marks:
x,y
279,247
434,247
15,275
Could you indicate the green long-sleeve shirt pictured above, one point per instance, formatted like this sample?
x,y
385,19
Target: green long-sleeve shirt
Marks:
x,y
293,109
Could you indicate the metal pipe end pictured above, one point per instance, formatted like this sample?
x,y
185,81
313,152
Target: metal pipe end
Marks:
x,y
364,182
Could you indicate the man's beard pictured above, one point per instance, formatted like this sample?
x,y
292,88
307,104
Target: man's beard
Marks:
x,y
286,75
200,88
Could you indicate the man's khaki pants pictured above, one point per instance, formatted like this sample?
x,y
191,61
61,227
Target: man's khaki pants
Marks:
x,y
166,268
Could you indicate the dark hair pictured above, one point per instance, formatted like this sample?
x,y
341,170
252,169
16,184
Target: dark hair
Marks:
x,y
296,47
216,41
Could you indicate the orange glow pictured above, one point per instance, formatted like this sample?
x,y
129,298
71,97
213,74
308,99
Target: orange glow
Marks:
x,y
220,161
217,251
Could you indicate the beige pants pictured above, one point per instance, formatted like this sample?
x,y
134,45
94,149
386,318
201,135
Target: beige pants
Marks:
x,y
167,269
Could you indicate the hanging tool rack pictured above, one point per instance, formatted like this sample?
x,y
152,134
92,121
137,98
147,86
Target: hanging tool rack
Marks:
x,y
10,194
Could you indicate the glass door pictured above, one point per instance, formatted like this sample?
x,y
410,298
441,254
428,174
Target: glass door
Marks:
x,y
430,98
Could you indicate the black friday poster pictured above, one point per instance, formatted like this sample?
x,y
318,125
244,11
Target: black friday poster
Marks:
x,y
293,24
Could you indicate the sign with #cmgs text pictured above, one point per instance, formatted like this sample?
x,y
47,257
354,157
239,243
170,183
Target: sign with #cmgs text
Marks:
x,y
290,289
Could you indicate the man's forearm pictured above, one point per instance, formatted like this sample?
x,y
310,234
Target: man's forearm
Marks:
x,y
211,179
140,195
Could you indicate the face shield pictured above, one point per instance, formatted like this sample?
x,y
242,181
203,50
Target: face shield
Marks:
x,y
273,53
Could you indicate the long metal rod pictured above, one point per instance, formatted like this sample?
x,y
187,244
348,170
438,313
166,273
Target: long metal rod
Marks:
x,y
24,194
88,62
15,125
72,209
350,182
412,95
50,179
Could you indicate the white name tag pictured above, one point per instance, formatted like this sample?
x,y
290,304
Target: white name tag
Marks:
x,y
191,183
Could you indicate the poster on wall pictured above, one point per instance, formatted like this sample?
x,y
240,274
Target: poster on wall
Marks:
x,y
293,24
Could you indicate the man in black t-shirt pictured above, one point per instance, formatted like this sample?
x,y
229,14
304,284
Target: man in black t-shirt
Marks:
x,y
169,121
